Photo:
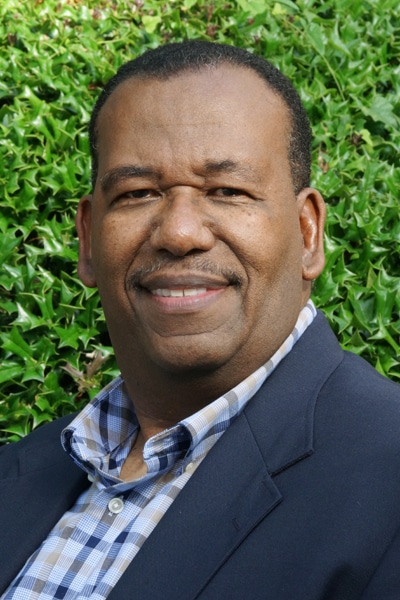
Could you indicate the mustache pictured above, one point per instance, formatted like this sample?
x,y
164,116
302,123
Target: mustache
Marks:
x,y
196,264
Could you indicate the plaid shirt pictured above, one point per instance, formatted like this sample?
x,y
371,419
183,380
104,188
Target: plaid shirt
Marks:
x,y
93,543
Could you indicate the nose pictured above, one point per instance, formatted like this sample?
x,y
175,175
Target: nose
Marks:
x,y
182,226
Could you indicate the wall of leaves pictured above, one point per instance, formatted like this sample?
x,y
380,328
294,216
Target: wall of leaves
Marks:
x,y
56,54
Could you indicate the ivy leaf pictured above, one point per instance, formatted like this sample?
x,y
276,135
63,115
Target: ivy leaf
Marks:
x,y
381,110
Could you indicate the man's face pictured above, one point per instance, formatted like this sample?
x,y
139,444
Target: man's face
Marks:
x,y
199,247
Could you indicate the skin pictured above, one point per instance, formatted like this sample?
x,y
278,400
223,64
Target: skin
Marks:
x,y
194,193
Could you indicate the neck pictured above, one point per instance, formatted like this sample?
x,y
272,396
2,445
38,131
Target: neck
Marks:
x,y
161,402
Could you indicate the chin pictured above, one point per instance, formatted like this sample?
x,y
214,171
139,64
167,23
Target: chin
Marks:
x,y
196,366
178,361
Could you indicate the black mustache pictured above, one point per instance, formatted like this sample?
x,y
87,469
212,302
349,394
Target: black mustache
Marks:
x,y
196,264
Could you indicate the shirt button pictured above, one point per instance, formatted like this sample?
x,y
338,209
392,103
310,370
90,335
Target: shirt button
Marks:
x,y
116,505
190,467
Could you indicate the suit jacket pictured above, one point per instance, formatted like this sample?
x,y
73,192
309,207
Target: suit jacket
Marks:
x,y
299,499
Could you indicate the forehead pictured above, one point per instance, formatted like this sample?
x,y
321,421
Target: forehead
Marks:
x,y
208,109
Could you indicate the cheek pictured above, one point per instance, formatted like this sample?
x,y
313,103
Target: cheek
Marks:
x,y
268,244
116,243
113,251
274,271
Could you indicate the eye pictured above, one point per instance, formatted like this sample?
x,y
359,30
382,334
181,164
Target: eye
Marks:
x,y
228,192
235,194
145,193
132,197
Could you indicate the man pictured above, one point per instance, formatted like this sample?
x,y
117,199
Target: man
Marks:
x,y
241,454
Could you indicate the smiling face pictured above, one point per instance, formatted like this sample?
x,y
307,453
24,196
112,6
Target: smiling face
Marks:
x,y
200,249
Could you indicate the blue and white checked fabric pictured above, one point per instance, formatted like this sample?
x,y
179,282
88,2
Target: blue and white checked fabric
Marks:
x,y
93,543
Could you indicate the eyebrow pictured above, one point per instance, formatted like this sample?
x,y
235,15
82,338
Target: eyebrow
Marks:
x,y
125,172
231,166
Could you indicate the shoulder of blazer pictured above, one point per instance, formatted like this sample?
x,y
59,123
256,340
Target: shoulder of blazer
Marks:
x,y
315,381
32,451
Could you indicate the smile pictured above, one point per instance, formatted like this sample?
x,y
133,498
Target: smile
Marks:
x,y
165,292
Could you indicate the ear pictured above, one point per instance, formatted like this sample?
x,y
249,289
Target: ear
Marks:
x,y
83,224
312,213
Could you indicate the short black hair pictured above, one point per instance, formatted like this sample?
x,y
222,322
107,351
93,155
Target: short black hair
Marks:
x,y
195,55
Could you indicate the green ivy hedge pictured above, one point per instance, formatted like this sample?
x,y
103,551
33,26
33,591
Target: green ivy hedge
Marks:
x,y
55,56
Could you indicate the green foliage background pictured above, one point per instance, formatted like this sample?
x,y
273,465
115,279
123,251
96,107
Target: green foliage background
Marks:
x,y
55,55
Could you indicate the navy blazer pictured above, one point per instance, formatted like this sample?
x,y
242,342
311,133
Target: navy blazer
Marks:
x,y
298,500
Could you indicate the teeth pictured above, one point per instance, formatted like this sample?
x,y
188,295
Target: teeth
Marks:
x,y
194,291
179,293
